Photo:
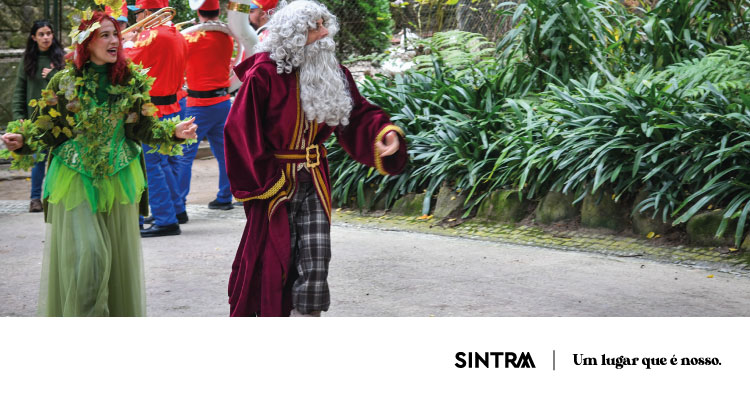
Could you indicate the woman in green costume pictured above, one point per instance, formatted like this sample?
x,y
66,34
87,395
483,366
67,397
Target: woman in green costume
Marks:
x,y
92,117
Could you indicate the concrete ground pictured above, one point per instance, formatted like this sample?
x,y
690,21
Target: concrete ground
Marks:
x,y
386,272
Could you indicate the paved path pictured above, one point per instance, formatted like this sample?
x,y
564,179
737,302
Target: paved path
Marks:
x,y
377,272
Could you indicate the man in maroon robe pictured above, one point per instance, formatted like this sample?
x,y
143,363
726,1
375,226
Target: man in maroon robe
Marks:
x,y
294,95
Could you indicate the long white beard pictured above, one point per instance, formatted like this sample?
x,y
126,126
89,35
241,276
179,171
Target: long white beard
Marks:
x,y
324,90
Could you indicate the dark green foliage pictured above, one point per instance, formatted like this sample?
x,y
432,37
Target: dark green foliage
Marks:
x,y
584,97
676,30
365,25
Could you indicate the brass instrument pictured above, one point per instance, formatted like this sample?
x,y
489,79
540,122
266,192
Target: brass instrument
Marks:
x,y
181,24
158,18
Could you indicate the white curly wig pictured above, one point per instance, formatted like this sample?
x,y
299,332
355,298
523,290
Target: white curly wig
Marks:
x,y
324,91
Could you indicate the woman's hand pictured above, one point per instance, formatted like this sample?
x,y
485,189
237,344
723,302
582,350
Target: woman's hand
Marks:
x,y
13,141
186,129
46,71
391,144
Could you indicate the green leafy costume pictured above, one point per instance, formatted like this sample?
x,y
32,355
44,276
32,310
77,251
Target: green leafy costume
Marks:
x,y
92,262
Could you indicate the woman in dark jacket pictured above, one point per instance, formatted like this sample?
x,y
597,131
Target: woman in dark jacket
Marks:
x,y
41,60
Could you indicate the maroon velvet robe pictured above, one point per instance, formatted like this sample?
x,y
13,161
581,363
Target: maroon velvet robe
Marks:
x,y
265,122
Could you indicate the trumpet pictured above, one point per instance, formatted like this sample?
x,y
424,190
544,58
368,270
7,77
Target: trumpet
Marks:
x,y
160,17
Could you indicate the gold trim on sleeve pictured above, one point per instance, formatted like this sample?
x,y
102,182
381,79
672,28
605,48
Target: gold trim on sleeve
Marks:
x,y
268,193
379,138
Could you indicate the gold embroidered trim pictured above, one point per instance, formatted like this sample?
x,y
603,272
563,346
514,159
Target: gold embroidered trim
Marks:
x,y
268,193
322,190
147,41
193,37
243,8
379,138
285,194
297,134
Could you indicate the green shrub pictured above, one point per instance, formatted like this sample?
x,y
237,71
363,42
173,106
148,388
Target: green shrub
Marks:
x,y
677,30
674,134
555,41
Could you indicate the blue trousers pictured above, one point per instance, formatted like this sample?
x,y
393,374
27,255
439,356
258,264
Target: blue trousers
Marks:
x,y
210,121
37,177
163,195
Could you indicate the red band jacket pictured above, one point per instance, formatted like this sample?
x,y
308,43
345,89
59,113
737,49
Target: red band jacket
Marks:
x,y
209,59
163,51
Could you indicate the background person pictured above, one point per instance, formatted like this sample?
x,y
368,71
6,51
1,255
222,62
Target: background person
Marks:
x,y
162,50
209,59
42,59
260,13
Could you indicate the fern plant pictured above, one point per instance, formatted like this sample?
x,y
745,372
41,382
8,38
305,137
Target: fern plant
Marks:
x,y
457,51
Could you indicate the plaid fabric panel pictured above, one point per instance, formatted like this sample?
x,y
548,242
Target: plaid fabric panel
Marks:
x,y
311,250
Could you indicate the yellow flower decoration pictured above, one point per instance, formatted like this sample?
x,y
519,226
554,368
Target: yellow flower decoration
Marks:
x,y
113,4
149,109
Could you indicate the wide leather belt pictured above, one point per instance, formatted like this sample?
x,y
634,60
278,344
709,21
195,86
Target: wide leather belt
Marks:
x,y
164,100
208,94
311,156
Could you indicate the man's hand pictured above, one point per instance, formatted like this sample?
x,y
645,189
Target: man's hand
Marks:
x,y
186,129
129,37
13,141
391,144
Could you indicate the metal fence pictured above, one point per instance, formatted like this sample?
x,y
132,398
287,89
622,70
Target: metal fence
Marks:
x,y
426,17
9,60
420,17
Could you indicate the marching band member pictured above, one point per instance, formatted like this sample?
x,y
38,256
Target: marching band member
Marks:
x,y
260,11
162,50
122,20
208,67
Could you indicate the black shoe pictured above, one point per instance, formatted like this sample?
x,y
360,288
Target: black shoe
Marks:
x,y
182,217
157,230
148,220
216,205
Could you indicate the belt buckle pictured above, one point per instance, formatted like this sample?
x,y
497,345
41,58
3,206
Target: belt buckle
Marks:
x,y
312,164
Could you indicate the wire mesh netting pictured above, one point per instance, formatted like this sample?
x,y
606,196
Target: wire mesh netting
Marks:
x,y
368,25
427,17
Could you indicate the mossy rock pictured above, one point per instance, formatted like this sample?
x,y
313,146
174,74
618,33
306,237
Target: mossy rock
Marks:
x,y
643,224
17,41
411,204
449,203
600,210
502,206
556,206
370,203
701,229
746,244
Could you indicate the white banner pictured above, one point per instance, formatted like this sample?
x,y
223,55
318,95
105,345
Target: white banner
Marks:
x,y
374,358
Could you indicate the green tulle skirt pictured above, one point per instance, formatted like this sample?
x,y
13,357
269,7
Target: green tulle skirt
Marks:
x,y
93,263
